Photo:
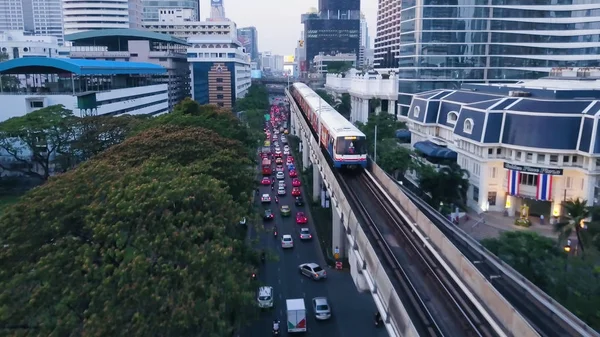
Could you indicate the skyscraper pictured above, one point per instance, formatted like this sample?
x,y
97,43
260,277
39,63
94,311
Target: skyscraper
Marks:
x,y
248,37
364,41
479,42
39,17
152,7
83,15
387,39
333,30
217,11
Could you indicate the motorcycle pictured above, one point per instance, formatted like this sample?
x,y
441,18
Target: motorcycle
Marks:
x,y
275,232
253,276
276,200
378,320
276,328
262,257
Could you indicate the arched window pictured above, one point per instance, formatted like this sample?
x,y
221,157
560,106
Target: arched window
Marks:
x,y
452,117
468,126
416,111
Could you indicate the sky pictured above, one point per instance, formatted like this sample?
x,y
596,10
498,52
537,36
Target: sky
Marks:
x,y
278,21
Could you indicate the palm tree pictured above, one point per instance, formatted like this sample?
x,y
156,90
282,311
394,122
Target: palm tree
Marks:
x,y
456,181
574,220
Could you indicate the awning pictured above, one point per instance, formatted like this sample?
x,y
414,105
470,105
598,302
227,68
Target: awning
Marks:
x,y
402,134
433,150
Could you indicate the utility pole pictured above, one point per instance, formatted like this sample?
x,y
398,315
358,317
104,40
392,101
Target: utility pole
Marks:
x,y
375,150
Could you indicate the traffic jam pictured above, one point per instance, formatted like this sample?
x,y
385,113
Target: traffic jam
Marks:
x,y
280,176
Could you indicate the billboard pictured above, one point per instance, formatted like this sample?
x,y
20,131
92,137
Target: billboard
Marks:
x,y
288,59
256,74
288,70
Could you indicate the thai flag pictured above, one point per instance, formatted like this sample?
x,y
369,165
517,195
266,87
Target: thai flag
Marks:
x,y
513,182
544,187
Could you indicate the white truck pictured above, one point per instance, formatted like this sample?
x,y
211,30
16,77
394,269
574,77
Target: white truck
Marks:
x,y
296,315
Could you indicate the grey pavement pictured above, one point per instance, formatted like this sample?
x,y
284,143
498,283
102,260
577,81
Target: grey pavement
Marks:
x,y
352,312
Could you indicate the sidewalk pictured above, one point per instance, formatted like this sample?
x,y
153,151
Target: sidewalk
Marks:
x,y
491,224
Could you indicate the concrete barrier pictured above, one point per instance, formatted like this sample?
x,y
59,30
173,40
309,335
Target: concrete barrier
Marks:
x,y
510,319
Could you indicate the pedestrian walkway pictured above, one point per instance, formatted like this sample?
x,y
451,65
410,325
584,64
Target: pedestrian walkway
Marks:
x,y
492,224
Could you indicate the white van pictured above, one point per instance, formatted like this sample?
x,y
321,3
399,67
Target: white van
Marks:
x,y
265,297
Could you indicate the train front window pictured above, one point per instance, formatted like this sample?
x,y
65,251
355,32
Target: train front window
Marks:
x,y
351,145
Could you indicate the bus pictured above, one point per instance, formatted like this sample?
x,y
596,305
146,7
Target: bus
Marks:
x,y
266,167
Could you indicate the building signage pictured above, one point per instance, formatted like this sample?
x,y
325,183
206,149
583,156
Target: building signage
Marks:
x,y
534,170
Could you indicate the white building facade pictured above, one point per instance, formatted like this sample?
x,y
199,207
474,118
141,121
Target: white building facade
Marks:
x,y
83,15
533,143
363,87
36,17
387,40
185,28
15,44
321,61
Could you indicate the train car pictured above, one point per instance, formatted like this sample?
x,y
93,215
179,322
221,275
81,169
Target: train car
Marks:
x,y
344,142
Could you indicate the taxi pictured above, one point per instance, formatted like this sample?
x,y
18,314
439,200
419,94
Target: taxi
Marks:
x,y
267,143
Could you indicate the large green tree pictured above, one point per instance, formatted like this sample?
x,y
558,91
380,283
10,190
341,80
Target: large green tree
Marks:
x,y
138,241
446,185
344,105
386,129
576,219
35,140
326,96
393,158
256,98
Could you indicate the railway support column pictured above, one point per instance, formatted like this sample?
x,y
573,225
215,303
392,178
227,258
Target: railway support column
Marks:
x,y
317,182
305,151
338,238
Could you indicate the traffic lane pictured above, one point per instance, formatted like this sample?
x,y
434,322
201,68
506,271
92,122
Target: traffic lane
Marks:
x,y
352,313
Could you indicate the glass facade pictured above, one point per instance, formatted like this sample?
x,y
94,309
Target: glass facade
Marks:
x,y
331,37
151,7
444,43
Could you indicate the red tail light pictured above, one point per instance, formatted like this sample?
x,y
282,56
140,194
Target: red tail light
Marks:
x,y
309,236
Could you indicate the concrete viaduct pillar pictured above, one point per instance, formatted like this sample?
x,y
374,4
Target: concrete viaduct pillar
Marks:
x,y
305,150
317,181
338,242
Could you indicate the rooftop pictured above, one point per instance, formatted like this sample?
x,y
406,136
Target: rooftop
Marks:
x,y
47,65
103,37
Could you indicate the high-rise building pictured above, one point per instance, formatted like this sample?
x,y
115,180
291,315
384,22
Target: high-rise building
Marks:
x,y
479,42
387,38
271,62
248,37
152,8
364,42
36,17
333,30
217,11
84,15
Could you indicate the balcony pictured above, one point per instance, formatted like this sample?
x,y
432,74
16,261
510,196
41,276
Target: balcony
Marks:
x,y
364,85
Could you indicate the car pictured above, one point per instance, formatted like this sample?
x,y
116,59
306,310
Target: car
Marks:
x,y
296,182
321,308
299,201
286,148
278,155
286,152
268,215
280,176
296,191
281,183
287,241
313,271
291,167
290,159
265,181
264,297
305,234
267,143
286,210
277,148
286,131
279,168
293,174
265,198
281,191
301,218
279,161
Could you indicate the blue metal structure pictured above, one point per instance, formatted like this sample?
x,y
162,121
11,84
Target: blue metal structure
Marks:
x,y
47,65
125,33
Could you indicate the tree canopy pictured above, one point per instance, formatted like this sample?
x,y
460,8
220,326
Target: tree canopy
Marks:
x,y
256,98
142,239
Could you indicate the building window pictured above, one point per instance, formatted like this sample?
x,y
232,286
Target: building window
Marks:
x,y
493,172
475,193
541,158
219,79
452,117
574,160
490,151
468,126
219,96
219,88
492,198
416,111
36,104
529,157
553,159
528,179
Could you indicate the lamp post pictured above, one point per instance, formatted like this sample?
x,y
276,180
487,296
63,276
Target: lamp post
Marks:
x,y
375,147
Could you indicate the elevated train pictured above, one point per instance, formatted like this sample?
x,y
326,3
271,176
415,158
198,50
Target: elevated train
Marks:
x,y
344,142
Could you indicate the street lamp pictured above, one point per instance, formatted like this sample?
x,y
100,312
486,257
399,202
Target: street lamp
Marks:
x,y
567,247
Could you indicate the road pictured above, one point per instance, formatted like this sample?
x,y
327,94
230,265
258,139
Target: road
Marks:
x,y
352,312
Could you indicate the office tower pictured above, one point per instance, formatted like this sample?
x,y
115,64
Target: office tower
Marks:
x,y
36,17
84,15
152,8
217,11
364,41
387,38
335,29
479,42
248,36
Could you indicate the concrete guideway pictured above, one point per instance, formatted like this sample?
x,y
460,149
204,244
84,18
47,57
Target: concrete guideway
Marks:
x,y
561,322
